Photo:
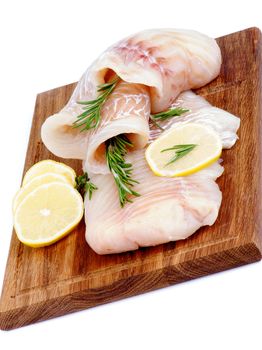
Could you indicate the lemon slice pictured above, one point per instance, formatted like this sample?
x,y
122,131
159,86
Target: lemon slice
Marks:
x,y
34,183
50,166
203,148
47,214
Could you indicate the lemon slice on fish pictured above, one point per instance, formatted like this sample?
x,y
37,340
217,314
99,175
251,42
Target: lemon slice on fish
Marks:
x,y
47,214
50,166
183,150
34,183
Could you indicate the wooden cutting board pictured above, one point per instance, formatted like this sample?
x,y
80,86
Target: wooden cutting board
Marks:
x,y
68,276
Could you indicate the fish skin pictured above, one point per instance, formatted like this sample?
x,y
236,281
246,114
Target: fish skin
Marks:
x,y
169,208
167,61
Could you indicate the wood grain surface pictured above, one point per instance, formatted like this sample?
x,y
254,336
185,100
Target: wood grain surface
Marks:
x,y
68,276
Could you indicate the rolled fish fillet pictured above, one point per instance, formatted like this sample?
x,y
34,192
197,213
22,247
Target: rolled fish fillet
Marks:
x,y
155,66
126,111
169,208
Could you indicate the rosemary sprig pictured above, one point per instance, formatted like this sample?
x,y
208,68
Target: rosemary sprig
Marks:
x,y
180,151
91,116
170,113
83,185
116,149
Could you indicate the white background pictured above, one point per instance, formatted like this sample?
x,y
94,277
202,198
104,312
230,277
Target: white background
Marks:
x,y
45,44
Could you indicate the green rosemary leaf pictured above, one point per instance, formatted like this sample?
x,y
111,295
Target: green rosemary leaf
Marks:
x,y
180,151
179,147
91,116
116,149
156,124
170,113
83,185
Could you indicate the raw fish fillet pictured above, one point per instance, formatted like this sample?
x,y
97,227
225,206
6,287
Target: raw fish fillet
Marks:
x,y
167,61
126,111
168,209
202,112
155,66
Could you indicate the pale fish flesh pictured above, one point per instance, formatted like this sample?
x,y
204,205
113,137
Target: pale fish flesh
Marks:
x,y
126,111
168,209
167,61
200,111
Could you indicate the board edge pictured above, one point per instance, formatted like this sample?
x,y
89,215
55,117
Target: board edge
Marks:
x,y
167,276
